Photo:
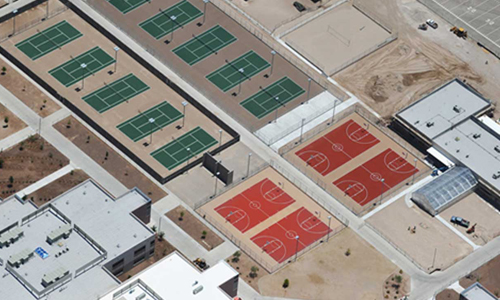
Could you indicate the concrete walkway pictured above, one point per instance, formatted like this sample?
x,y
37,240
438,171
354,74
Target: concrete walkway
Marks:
x,y
45,181
16,138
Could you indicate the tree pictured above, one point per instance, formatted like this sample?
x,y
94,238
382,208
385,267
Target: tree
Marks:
x,y
236,257
21,147
398,278
161,234
69,124
11,180
203,234
4,69
286,283
181,216
153,228
106,157
348,252
253,271
6,120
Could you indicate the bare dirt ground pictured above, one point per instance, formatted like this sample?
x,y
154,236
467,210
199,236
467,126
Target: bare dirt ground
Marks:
x,y
448,295
162,249
116,165
57,187
327,271
404,71
13,125
26,163
477,211
28,93
487,275
397,221
244,267
192,226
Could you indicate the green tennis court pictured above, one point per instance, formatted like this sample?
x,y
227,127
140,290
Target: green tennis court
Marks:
x,y
119,91
48,40
229,76
180,150
150,121
71,71
125,6
202,46
169,20
272,97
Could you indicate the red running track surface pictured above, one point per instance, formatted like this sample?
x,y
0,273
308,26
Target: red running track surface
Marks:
x,y
279,239
337,147
363,184
254,205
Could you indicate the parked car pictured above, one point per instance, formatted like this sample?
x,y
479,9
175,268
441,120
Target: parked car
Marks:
x,y
299,6
460,221
432,23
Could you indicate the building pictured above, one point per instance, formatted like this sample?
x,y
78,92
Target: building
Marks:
x,y
174,277
71,247
477,292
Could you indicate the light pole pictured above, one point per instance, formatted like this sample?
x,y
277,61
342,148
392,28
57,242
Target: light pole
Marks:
x,y
248,164
220,137
308,89
413,177
189,156
276,114
47,10
83,66
204,12
14,13
172,20
328,234
273,53
333,111
184,104
116,57
241,79
382,190
151,121
296,247
301,130
216,179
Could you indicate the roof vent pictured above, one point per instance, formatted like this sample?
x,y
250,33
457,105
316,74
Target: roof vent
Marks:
x,y
477,135
430,124
456,109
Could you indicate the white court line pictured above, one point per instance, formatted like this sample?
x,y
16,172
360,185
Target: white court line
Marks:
x,y
461,235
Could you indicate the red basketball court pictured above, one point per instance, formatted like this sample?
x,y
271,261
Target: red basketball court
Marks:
x,y
338,147
279,240
364,183
254,205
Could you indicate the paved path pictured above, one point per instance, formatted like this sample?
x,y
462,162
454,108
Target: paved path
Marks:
x,y
46,180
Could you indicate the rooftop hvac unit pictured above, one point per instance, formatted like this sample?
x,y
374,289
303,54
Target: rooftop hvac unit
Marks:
x,y
197,289
141,296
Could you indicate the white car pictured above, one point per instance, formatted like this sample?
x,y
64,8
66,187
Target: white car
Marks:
x,y
432,23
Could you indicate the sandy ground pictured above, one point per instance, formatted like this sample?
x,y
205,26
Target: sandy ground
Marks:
x,y
404,71
276,13
120,113
244,267
327,181
329,43
476,210
448,295
192,226
14,123
115,164
244,239
235,158
487,275
431,236
327,271
195,74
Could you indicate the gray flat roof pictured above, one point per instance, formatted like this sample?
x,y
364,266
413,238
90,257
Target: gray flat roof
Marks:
x,y
12,210
447,106
473,144
477,292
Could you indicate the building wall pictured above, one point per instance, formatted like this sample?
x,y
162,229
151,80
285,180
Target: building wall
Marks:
x,y
143,213
132,257
230,287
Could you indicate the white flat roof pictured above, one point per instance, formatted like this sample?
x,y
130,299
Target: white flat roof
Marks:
x,y
475,146
176,278
439,111
477,292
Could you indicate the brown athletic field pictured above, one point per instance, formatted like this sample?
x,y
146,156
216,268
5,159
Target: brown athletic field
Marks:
x,y
195,74
242,230
158,92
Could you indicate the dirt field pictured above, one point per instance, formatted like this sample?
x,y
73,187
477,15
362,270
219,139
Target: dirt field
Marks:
x,y
327,180
406,70
125,111
116,165
29,94
448,295
57,187
477,211
192,226
252,249
13,125
487,275
430,237
195,74
273,14
327,271
26,163
162,249
329,43
244,267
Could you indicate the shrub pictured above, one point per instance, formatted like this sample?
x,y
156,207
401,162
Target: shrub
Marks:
x,y
181,216
398,278
348,252
236,257
286,283
161,234
253,271
203,234
153,228
6,120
